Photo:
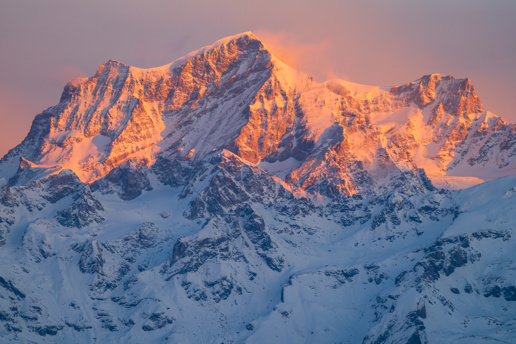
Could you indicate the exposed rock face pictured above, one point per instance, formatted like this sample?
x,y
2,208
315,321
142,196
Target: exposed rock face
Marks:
x,y
234,95
460,97
123,112
128,181
83,211
228,198
232,183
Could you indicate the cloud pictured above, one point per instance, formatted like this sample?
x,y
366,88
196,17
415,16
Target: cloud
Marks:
x,y
67,73
311,57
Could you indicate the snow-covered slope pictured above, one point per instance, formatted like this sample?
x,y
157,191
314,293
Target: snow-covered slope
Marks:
x,y
219,251
338,137
228,198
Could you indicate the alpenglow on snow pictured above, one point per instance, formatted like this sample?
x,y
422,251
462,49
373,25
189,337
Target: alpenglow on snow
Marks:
x,y
228,198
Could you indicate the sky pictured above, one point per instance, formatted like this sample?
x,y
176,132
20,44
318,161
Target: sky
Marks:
x,y
44,44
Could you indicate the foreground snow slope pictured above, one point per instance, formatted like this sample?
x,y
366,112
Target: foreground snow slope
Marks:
x,y
222,252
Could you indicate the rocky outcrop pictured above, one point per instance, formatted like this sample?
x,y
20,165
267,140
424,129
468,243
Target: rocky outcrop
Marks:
x,y
232,182
128,181
228,197
457,97
84,210
332,139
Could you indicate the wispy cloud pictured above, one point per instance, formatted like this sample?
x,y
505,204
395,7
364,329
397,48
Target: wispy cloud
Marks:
x,y
67,73
311,57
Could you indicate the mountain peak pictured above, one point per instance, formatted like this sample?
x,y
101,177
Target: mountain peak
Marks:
x,y
244,37
235,95
229,184
115,65
458,96
246,34
110,65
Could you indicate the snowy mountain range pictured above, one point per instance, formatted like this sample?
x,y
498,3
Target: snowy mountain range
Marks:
x,y
228,198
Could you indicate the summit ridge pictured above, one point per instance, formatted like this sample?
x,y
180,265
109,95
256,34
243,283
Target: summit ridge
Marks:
x,y
235,95
228,198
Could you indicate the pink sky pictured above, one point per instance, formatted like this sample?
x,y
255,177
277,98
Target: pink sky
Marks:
x,y
46,43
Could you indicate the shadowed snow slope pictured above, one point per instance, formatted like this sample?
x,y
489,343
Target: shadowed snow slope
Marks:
x,y
228,198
